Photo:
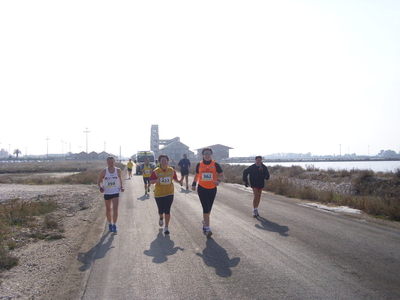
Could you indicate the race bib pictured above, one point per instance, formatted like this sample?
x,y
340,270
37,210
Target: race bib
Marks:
x,y
147,172
165,180
207,176
111,184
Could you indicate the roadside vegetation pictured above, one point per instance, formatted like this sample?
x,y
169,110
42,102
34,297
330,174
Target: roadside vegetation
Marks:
x,y
377,194
27,221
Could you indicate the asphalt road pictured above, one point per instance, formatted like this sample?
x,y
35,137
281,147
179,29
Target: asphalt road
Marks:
x,y
290,252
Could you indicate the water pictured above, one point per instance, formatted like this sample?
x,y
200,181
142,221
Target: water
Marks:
x,y
376,166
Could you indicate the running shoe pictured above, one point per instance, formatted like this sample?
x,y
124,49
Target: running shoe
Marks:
x,y
166,231
110,227
115,230
204,225
160,222
255,213
208,232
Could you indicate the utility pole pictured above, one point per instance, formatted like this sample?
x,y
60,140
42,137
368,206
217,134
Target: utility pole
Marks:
x,y
47,139
86,131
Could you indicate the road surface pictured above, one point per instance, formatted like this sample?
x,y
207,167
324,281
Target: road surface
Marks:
x,y
289,252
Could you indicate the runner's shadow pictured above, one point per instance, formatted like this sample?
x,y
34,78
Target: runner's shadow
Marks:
x,y
185,191
216,256
144,197
271,226
161,248
97,252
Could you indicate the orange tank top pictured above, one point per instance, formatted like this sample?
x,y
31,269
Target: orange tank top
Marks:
x,y
207,175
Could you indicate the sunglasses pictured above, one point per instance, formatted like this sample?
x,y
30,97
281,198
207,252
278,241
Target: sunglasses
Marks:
x,y
207,153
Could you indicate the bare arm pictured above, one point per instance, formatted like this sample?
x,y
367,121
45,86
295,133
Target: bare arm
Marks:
x,y
221,176
100,180
120,179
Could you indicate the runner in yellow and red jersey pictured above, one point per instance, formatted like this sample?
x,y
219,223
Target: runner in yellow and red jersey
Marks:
x,y
146,169
163,177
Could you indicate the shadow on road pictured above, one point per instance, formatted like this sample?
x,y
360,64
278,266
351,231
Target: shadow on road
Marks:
x,y
97,252
144,197
161,248
184,191
216,256
271,226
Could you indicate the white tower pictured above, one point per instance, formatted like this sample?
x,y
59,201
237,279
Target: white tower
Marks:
x,y
154,139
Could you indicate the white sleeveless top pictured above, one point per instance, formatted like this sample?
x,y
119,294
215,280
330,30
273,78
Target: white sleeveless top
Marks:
x,y
111,182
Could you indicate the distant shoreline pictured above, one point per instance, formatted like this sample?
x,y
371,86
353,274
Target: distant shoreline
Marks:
x,y
248,160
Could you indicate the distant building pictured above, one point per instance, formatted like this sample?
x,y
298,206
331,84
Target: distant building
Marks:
x,y
175,151
154,139
92,156
219,152
171,147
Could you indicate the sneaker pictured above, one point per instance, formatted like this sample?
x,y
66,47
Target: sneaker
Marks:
x,y
110,227
255,213
160,222
115,228
208,232
166,231
204,225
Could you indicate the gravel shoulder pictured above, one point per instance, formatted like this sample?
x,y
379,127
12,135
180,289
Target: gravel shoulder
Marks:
x,y
56,269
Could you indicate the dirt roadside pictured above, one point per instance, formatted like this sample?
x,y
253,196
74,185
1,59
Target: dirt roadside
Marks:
x,y
56,269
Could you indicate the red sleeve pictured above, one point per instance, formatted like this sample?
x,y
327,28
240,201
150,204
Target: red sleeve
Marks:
x,y
175,176
153,176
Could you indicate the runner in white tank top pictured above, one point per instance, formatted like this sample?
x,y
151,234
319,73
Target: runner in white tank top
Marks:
x,y
110,183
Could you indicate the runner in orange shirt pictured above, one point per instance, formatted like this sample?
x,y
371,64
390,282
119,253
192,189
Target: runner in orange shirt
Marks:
x,y
208,174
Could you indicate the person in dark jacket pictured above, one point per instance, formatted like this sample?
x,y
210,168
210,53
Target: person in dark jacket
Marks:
x,y
257,172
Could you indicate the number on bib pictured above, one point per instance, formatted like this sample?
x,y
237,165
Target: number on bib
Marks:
x,y
207,176
165,180
111,184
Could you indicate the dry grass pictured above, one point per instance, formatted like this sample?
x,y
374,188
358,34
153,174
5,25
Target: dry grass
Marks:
x,y
34,219
377,194
40,173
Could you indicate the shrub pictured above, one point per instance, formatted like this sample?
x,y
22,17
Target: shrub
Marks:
x,y
7,261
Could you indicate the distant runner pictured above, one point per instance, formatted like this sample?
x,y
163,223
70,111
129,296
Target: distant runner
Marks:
x,y
110,183
258,173
184,163
130,167
146,169
163,178
209,174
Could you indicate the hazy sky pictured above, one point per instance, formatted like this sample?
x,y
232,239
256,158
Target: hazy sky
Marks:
x,y
261,77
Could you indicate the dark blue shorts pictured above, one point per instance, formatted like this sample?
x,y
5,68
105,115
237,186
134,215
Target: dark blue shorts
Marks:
x,y
109,197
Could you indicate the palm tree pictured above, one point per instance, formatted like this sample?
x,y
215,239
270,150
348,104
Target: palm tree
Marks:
x,y
17,152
